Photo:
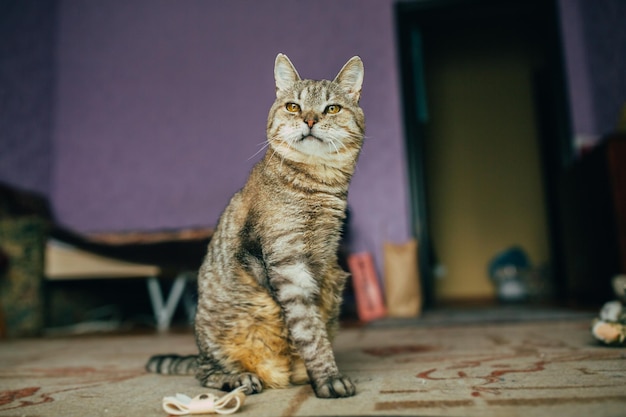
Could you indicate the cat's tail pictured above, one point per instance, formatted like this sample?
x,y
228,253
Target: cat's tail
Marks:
x,y
173,364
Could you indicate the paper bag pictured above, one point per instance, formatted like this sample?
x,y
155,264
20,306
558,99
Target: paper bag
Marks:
x,y
369,298
403,291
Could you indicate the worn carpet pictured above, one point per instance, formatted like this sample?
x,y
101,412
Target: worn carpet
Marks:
x,y
546,368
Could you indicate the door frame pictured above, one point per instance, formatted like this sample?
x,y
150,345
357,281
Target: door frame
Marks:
x,y
418,19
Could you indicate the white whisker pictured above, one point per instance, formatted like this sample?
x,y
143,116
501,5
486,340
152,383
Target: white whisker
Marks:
x,y
265,145
271,156
332,142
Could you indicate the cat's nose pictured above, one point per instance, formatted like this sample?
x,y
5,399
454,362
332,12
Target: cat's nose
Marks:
x,y
310,119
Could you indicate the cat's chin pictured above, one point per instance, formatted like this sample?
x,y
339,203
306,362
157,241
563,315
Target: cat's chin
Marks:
x,y
319,156
313,147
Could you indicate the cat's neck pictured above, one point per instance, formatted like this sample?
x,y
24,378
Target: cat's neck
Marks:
x,y
298,167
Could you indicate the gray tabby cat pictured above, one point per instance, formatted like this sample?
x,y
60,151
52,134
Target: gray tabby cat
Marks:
x,y
270,286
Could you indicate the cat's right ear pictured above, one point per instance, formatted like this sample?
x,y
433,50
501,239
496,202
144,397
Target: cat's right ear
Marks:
x,y
285,73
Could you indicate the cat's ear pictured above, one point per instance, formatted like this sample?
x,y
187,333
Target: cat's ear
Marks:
x,y
285,73
350,78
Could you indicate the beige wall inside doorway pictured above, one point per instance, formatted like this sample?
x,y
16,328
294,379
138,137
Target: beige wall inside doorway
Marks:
x,y
483,172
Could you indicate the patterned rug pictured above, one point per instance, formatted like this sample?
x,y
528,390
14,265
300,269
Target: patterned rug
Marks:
x,y
548,368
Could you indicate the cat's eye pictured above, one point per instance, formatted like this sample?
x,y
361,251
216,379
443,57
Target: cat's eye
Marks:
x,y
292,107
332,109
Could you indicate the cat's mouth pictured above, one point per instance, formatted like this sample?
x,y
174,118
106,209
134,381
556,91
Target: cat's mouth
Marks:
x,y
310,137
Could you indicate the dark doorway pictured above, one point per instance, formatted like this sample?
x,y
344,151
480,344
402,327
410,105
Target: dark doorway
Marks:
x,y
487,135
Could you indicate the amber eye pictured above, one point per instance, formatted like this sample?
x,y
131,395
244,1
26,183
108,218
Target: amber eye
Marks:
x,y
332,109
292,107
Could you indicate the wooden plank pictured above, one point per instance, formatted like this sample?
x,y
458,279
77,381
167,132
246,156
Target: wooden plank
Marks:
x,y
65,262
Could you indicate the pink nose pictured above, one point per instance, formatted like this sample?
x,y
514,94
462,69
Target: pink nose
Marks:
x,y
310,122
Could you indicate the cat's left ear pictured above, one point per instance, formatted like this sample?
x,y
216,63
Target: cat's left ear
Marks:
x,y
285,73
350,78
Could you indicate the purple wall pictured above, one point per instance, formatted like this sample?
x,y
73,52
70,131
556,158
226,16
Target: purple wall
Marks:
x,y
161,106
604,28
577,68
27,32
594,37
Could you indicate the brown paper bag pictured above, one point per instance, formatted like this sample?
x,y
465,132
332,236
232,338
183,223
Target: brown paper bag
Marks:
x,y
403,291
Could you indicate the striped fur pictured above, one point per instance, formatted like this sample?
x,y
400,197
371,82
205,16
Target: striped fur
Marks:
x,y
270,286
173,364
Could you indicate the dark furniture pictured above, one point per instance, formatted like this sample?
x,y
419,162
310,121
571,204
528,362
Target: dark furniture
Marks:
x,y
593,205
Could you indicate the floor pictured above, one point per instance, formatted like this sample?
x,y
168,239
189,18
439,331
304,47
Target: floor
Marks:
x,y
449,365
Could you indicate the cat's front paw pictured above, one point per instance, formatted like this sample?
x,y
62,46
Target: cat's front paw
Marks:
x,y
336,386
250,381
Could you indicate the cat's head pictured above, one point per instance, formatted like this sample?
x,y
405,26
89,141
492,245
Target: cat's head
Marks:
x,y
317,121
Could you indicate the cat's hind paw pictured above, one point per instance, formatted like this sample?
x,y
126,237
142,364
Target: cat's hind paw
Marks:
x,y
336,386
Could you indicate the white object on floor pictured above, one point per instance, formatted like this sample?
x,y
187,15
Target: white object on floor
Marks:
x,y
181,404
